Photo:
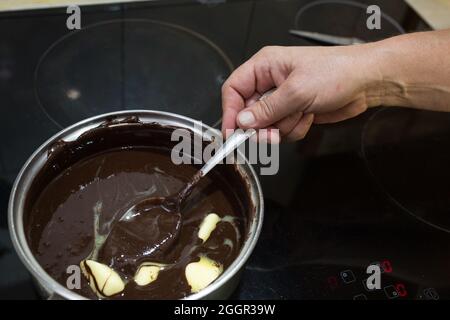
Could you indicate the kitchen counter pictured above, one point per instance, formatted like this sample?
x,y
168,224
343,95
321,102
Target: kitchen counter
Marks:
x,y
14,5
435,12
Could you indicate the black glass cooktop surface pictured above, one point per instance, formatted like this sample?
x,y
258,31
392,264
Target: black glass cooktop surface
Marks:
x,y
131,64
385,204
371,190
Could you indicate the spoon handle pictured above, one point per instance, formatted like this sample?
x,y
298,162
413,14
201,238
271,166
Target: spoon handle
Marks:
x,y
230,144
237,138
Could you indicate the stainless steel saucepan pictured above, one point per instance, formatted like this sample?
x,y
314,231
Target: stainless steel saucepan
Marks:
x,y
220,289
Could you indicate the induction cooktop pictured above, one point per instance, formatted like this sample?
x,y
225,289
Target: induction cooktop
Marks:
x,y
369,191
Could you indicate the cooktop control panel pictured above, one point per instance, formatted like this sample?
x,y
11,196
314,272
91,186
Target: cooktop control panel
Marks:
x,y
359,284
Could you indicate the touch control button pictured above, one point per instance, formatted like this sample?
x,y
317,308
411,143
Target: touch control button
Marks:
x,y
348,276
390,292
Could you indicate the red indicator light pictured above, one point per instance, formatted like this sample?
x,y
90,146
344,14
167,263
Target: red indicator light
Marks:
x,y
401,290
332,282
386,266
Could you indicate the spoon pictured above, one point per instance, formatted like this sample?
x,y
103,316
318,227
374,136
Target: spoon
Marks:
x,y
173,203
152,226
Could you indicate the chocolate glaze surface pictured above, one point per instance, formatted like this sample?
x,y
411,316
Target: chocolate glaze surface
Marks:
x,y
75,208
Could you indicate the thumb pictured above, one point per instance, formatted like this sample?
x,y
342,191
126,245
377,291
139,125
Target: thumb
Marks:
x,y
270,108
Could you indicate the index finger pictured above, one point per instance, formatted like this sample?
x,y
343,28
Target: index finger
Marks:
x,y
240,86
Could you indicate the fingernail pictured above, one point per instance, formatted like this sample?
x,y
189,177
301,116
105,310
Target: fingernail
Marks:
x,y
246,118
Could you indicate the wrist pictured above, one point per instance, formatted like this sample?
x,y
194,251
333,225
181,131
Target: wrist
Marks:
x,y
412,71
386,85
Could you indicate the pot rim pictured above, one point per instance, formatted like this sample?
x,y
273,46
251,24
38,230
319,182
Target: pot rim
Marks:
x,y
26,175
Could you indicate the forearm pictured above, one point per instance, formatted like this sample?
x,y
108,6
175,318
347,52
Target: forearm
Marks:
x,y
412,71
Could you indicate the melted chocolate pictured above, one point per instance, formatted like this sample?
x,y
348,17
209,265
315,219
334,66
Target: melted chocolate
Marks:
x,y
75,209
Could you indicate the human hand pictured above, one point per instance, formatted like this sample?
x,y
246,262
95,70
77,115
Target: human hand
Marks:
x,y
313,84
